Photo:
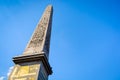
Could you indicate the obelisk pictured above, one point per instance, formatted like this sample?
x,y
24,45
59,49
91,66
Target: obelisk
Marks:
x,y
33,64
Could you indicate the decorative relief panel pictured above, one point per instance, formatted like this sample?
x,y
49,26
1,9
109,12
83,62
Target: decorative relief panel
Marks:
x,y
28,72
29,78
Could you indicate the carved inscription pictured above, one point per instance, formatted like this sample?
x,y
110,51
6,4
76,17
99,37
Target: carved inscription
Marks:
x,y
27,78
27,72
37,37
33,68
39,41
39,33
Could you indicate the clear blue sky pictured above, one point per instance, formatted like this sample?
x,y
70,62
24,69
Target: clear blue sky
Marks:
x,y
85,41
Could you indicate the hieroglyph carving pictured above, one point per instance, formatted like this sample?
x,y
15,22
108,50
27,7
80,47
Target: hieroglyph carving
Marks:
x,y
39,33
41,37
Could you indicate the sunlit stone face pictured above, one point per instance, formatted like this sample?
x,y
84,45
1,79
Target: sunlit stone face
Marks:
x,y
25,72
30,78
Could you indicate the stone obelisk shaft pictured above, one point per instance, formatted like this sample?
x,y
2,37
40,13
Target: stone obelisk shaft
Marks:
x,y
33,64
40,40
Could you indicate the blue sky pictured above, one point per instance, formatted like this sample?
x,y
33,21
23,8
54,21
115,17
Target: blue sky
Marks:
x,y
85,41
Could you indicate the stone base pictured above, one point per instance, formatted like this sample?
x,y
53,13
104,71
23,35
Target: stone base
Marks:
x,y
34,57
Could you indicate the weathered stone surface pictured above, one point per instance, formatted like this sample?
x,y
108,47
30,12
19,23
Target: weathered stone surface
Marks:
x,y
40,40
